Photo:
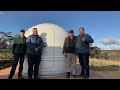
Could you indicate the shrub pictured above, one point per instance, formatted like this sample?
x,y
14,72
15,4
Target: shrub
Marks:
x,y
5,64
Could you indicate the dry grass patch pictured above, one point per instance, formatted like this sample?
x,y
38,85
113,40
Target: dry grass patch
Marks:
x,y
104,65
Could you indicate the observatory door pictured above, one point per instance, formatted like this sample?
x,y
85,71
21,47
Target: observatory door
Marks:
x,y
49,51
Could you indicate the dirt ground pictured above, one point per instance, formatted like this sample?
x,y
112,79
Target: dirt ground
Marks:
x,y
93,74
109,74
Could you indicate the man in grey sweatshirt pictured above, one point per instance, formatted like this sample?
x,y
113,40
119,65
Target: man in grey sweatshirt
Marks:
x,y
34,50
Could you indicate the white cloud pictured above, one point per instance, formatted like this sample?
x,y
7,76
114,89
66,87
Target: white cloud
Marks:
x,y
110,41
110,47
114,47
111,44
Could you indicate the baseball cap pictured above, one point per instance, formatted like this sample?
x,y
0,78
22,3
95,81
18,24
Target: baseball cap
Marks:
x,y
71,31
22,30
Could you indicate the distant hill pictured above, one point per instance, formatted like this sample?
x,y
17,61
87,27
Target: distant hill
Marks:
x,y
99,54
111,54
106,54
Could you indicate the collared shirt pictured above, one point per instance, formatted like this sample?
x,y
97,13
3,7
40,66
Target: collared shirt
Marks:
x,y
83,47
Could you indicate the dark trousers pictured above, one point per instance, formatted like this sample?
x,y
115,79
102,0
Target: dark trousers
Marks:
x,y
20,58
33,60
84,62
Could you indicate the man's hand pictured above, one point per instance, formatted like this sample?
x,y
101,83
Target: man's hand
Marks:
x,y
65,54
83,39
76,53
12,55
45,44
25,56
36,49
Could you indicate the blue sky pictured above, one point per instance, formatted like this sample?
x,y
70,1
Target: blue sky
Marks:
x,y
103,26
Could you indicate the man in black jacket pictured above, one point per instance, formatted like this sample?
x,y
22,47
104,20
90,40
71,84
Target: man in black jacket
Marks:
x,y
69,53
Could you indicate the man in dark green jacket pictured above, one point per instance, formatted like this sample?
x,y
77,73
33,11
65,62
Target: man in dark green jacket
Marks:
x,y
19,51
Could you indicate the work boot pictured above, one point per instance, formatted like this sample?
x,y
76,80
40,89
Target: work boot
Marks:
x,y
81,75
74,75
29,77
68,75
36,77
9,77
86,77
20,77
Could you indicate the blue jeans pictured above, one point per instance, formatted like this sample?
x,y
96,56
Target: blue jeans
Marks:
x,y
84,62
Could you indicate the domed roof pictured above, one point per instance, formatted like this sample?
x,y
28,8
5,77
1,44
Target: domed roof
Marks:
x,y
46,26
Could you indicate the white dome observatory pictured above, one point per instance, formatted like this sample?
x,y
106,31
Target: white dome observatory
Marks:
x,y
53,61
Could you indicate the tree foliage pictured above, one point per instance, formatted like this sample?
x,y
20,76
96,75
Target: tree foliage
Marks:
x,y
6,40
95,52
